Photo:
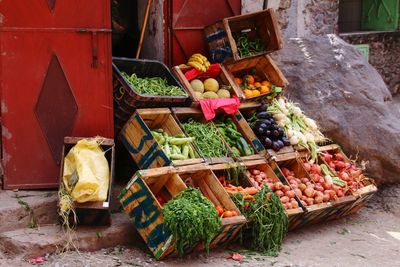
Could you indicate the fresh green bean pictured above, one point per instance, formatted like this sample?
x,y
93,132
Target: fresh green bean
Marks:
x,y
207,138
153,86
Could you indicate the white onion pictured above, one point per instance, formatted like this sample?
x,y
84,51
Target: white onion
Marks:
x,y
309,137
311,124
294,140
297,111
279,117
290,133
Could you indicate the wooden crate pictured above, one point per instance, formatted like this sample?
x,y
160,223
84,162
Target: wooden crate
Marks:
x,y
139,201
261,164
143,146
223,79
263,24
127,99
318,212
242,126
362,195
264,67
92,213
183,114
211,188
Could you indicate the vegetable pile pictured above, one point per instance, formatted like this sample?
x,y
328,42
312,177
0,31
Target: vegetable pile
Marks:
x,y
300,129
177,147
284,192
247,46
267,130
252,85
235,140
207,138
315,190
191,218
270,220
224,213
346,171
152,86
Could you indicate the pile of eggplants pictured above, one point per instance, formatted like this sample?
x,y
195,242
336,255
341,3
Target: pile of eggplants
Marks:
x,y
270,134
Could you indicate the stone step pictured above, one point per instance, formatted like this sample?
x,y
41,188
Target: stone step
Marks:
x,y
14,213
50,238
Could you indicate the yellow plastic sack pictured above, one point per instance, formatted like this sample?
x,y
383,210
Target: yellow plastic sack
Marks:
x,y
87,163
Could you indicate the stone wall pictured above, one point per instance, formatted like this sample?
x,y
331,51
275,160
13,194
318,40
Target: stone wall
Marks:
x,y
384,55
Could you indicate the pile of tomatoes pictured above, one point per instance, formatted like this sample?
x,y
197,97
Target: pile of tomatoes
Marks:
x,y
253,86
225,213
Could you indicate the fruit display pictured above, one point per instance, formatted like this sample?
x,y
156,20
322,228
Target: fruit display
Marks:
x,y
253,85
234,138
267,130
199,62
285,193
310,192
300,129
248,44
346,170
210,88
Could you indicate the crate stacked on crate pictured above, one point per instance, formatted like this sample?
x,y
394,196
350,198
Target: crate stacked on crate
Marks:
x,y
147,192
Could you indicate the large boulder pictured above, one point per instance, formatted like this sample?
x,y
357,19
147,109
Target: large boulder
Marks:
x,y
336,86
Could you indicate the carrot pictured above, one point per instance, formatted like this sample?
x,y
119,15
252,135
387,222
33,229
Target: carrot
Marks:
x,y
248,197
250,190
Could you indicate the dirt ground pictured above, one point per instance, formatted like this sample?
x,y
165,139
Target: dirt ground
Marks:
x,y
369,238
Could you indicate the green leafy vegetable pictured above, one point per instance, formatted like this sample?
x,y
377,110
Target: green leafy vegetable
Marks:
x,y
191,218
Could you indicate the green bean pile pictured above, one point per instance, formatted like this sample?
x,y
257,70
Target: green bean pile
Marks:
x,y
153,86
207,138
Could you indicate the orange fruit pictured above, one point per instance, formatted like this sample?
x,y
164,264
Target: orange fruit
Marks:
x,y
248,93
238,81
264,89
257,84
256,93
266,83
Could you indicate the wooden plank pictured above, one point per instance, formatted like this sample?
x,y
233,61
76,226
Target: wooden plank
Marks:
x,y
175,185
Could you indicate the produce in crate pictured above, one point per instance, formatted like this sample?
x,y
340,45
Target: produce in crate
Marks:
x,y
210,88
176,147
191,218
267,130
287,196
253,86
235,140
199,62
206,138
346,171
224,213
248,44
300,129
152,86
310,192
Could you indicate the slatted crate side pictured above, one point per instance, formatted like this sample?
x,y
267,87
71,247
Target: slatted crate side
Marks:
x,y
162,118
264,25
264,67
223,79
139,201
92,213
218,43
141,144
183,114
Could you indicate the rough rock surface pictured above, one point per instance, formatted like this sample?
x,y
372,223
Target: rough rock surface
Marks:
x,y
336,86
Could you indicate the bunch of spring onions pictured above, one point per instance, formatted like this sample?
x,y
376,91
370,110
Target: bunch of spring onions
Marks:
x,y
300,129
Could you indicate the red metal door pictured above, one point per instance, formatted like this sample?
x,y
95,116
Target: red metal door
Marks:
x,y
189,17
55,78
